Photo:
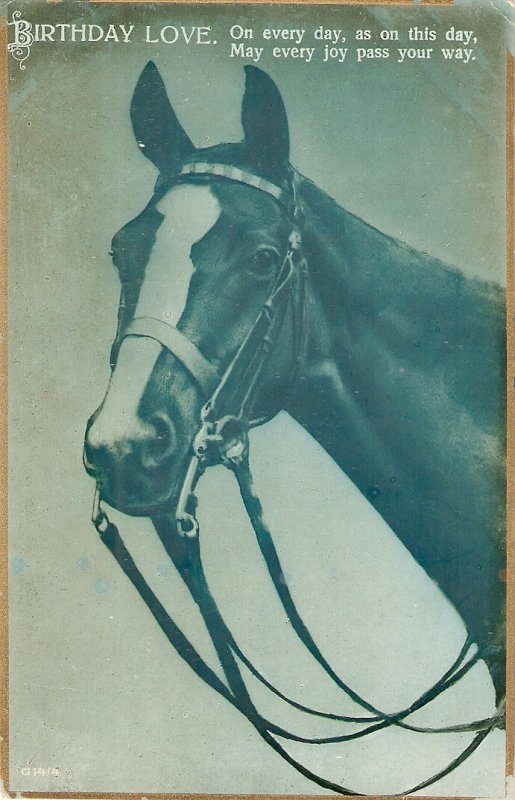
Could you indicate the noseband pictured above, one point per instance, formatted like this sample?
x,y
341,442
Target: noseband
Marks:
x,y
222,438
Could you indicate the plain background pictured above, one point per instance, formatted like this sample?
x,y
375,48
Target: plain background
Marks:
x,y
417,150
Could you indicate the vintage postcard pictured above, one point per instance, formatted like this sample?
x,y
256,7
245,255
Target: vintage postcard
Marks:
x,y
257,533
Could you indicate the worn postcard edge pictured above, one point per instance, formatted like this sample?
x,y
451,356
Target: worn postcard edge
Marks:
x,y
510,463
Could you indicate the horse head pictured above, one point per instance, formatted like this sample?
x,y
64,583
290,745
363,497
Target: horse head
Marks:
x,y
387,357
210,249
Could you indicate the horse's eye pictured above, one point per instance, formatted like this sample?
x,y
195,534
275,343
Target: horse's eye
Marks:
x,y
264,261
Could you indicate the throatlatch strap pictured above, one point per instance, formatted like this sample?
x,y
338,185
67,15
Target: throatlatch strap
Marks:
x,y
179,346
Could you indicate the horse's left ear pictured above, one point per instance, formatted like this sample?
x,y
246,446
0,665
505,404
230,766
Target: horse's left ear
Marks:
x,y
158,132
264,121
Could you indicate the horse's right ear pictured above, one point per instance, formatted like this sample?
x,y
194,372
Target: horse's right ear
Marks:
x,y
264,121
158,131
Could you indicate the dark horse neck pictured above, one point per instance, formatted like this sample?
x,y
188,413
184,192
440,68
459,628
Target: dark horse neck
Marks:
x,y
403,387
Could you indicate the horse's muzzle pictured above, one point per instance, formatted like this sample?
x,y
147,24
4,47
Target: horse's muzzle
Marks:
x,y
132,468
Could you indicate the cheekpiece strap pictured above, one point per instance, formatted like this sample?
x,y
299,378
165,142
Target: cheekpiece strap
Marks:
x,y
234,174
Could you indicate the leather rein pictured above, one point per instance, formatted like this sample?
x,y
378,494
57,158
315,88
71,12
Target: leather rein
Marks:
x,y
222,438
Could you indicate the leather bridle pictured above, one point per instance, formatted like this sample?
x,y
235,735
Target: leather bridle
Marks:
x,y
227,414
222,438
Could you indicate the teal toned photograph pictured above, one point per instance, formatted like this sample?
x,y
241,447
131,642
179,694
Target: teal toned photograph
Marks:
x,y
257,399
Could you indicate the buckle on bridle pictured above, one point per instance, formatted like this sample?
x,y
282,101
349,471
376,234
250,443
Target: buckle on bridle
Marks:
x,y
223,441
295,241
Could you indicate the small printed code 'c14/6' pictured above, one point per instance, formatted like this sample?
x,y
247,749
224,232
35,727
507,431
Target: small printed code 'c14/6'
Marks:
x,y
40,772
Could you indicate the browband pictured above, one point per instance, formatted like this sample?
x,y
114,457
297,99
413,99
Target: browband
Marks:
x,y
179,346
234,174
168,336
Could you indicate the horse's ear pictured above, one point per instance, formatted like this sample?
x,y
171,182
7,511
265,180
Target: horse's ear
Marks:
x,y
158,131
264,120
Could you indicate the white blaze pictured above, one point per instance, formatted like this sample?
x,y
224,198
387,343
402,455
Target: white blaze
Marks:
x,y
118,418
189,213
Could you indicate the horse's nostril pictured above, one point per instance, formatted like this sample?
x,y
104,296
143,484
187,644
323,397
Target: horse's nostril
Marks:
x,y
160,444
97,460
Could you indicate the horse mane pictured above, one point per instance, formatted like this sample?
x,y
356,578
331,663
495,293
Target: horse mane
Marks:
x,y
334,217
408,296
